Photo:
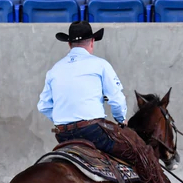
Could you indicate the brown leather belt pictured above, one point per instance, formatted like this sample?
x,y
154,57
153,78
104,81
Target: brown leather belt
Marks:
x,y
74,125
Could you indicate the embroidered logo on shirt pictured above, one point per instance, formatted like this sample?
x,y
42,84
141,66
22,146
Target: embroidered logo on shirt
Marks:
x,y
116,79
118,83
72,59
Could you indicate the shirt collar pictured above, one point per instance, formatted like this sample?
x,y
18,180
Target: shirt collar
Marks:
x,y
79,50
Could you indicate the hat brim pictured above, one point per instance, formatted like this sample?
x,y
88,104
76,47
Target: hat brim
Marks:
x,y
65,38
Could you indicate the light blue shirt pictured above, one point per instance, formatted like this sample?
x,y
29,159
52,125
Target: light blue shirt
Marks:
x,y
75,86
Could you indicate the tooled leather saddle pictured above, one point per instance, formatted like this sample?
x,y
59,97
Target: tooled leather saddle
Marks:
x,y
93,163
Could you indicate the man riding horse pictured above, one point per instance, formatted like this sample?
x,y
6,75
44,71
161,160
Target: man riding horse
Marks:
x,y
72,99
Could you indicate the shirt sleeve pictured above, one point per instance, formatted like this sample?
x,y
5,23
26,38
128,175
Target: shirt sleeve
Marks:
x,y
45,104
112,88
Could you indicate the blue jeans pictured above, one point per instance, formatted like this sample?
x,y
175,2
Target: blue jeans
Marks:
x,y
94,133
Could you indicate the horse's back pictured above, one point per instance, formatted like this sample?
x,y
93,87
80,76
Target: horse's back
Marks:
x,y
75,162
52,172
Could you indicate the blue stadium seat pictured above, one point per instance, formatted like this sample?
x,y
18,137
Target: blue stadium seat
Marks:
x,y
50,11
6,11
116,11
168,10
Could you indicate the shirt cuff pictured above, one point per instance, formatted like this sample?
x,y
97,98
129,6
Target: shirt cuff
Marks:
x,y
119,119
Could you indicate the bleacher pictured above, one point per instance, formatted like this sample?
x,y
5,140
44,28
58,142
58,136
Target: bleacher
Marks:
x,y
25,11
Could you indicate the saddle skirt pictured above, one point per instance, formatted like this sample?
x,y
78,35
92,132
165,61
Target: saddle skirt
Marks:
x,y
95,164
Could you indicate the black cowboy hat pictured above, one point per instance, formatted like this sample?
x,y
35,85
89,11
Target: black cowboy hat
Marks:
x,y
80,30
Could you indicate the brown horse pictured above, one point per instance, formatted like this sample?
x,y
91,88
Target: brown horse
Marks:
x,y
153,124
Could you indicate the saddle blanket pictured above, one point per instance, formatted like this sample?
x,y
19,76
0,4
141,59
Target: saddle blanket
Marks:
x,y
89,166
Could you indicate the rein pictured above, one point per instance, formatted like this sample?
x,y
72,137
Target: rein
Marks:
x,y
171,173
161,142
172,123
175,128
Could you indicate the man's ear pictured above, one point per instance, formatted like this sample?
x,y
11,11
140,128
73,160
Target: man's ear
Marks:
x,y
92,42
69,44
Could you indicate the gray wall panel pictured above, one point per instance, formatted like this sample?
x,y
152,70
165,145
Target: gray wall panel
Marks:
x,y
146,57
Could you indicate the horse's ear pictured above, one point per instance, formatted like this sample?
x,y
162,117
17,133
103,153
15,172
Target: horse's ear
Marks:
x,y
140,100
165,99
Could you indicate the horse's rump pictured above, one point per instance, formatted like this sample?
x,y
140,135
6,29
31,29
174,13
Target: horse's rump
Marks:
x,y
92,162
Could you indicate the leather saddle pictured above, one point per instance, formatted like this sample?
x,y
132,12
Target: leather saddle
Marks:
x,y
95,164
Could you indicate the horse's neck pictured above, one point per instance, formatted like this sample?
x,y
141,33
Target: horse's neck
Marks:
x,y
143,128
145,131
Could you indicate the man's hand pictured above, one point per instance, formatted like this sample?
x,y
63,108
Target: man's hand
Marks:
x,y
125,122
122,125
